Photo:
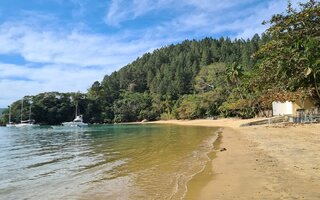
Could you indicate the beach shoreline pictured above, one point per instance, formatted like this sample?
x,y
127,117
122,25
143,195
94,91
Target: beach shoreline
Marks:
x,y
261,162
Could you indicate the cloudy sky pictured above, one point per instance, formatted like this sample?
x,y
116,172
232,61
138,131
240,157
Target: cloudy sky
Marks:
x,y
66,45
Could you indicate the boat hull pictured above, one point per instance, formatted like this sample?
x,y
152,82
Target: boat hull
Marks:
x,y
26,125
10,125
75,124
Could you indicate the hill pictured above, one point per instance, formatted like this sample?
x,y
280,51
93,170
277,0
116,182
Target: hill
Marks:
x,y
155,85
202,78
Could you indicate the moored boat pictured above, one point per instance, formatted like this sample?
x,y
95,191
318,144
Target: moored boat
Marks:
x,y
10,124
77,122
26,123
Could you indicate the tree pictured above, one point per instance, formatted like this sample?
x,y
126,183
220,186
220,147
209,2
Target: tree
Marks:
x,y
132,107
212,77
290,60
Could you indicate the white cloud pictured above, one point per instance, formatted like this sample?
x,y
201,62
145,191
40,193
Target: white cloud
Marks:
x,y
62,61
126,10
214,5
17,81
250,25
123,10
67,48
204,17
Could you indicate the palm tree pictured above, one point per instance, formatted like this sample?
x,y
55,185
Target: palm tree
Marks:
x,y
235,72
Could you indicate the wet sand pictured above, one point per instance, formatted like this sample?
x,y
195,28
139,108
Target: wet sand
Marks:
x,y
261,162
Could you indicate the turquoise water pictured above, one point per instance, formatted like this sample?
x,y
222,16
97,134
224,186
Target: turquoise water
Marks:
x,y
102,162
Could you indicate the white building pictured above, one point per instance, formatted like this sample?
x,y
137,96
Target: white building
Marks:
x,y
282,108
291,108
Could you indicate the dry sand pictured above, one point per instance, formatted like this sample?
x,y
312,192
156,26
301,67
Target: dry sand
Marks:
x,y
263,162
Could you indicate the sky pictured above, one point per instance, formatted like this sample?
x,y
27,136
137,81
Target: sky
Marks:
x,y
66,45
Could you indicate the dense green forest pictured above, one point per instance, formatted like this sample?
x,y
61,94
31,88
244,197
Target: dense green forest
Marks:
x,y
200,78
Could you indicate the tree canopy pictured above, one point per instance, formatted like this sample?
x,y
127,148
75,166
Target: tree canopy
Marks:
x,y
291,59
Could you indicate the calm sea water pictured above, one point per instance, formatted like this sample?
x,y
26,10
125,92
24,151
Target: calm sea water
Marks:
x,y
102,162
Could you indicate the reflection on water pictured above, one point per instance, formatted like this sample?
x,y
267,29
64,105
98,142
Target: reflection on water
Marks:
x,y
101,162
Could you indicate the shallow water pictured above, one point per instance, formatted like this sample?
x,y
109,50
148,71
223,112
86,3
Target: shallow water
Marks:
x,y
102,162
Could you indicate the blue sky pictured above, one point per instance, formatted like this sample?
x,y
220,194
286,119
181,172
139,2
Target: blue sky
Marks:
x,y
66,45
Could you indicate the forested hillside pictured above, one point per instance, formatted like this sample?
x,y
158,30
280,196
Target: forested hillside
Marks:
x,y
202,78
158,83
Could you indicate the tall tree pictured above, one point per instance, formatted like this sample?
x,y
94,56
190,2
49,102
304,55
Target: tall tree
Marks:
x,y
290,60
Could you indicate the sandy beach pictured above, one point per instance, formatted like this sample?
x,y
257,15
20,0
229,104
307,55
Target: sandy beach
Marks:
x,y
262,162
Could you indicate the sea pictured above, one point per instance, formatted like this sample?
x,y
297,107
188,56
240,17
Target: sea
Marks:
x,y
127,161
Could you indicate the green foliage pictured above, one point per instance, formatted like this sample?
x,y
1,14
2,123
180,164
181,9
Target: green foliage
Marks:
x,y
199,105
47,108
289,61
170,74
4,113
133,107
1,110
211,77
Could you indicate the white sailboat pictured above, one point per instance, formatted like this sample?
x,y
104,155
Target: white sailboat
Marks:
x,y
10,124
77,122
25,123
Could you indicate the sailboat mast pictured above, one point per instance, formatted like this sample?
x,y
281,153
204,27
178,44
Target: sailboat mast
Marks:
x,y
9,114
76,109
30,113
21,110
